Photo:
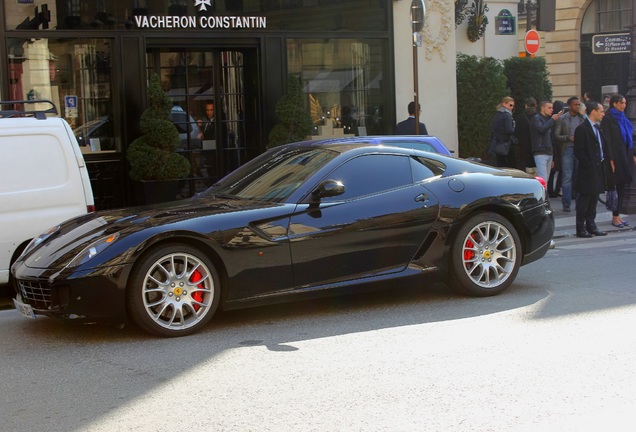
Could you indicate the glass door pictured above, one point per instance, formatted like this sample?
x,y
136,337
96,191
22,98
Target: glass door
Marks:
x,y
215,108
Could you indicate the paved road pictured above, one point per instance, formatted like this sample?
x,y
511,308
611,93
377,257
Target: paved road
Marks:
x,y
554,353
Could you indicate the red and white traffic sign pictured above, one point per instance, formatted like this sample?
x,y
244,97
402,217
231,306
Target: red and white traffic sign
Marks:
x,y
532,42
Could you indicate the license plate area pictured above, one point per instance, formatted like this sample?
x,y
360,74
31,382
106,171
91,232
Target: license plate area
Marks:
x,y
24,309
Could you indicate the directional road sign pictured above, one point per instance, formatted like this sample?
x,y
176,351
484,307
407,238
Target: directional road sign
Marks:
x,y
611,43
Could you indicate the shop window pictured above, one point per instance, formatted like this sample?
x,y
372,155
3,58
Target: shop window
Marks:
x,y
342,80
215,108
76,76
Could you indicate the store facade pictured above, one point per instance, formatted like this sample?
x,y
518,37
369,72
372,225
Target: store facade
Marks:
x,y
224,64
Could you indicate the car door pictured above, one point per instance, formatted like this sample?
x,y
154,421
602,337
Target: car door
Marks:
x,y
375,227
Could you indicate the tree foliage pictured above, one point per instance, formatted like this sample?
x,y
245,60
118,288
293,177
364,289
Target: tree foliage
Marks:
x,y
481,84
153,156
527,77
294,121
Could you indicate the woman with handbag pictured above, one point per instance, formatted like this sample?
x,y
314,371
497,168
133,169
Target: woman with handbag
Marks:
x,y
618,131
503,129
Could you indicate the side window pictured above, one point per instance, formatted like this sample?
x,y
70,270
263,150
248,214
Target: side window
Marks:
x,y
423,168
371,174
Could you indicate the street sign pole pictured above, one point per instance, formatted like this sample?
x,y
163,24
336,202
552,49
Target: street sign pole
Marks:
x,y
418,17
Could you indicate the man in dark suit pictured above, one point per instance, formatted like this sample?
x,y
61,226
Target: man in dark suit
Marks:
x,y
407,127
589,150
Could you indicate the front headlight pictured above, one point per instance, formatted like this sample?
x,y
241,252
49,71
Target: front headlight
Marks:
x,y
39,239
93,249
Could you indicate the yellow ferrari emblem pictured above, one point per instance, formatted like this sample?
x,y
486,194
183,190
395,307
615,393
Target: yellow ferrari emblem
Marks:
x,y
487,254
178,291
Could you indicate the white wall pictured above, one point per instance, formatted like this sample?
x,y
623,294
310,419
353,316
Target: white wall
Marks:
x,y
436,68
491,45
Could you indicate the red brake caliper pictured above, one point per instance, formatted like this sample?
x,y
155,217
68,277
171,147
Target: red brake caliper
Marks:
x,y
197,296
469,254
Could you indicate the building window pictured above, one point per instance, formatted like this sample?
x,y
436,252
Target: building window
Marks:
x,y
607,16
342,79
76,76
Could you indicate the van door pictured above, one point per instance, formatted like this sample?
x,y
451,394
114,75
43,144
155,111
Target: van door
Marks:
x,y
44,182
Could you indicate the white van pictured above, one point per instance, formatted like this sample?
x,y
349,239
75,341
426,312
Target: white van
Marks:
x,y
44,179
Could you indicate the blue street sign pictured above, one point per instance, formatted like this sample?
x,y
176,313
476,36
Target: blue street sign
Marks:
x,y
70,101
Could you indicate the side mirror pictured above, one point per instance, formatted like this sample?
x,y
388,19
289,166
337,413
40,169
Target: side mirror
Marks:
x,y
327,189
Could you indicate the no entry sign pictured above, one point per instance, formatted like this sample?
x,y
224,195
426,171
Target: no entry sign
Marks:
x,y
532,41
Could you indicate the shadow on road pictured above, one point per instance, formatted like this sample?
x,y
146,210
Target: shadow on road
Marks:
x,y
110,368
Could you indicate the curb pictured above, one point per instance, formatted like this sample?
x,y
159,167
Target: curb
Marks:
x,y
564,234
565,223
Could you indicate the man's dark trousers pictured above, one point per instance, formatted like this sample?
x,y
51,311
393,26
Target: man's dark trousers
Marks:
x,y
586,212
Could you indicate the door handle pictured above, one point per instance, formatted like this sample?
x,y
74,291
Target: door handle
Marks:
x,y
421,198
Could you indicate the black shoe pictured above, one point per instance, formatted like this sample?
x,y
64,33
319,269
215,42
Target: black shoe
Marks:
x,y
596,232
583,234
566,209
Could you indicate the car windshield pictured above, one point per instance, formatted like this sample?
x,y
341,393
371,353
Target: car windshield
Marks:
x,y
84,129
274,176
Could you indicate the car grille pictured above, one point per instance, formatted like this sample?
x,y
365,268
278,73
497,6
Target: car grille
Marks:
x,y
36,294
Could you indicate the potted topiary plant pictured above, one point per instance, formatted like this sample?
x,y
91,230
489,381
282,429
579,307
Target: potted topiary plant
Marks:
x,y
155,164
294,120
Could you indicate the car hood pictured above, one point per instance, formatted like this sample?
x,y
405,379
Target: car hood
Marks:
x,y
75,235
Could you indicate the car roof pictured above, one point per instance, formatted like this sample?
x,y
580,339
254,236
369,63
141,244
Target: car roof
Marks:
x,y
430,140
363,146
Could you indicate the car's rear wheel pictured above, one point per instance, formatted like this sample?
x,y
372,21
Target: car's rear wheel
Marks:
x,y
173,291
486,255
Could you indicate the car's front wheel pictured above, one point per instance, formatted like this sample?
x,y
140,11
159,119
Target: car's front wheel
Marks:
x,y
173,291
486,255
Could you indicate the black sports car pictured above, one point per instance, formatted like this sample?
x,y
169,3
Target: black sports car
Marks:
x,y
300,221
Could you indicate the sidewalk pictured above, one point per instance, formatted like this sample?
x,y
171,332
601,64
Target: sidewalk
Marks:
x,y
565,223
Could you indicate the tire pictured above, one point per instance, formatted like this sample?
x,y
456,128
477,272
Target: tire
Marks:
x,y
486,255
173,291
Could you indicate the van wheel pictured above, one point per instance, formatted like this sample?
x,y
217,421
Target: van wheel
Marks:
x,y
173,291
486,255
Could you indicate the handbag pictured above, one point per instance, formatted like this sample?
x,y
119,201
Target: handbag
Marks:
x,y
611,200
499,148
